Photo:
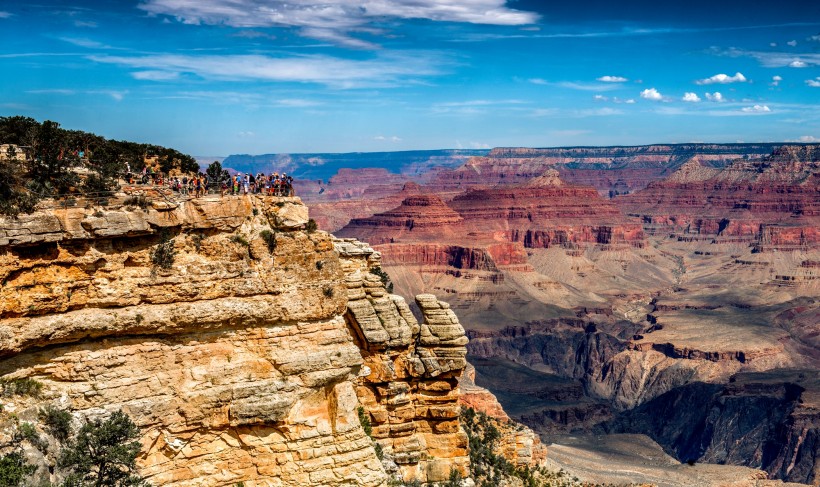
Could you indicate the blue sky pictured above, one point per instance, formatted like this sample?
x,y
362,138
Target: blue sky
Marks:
x,y
216,77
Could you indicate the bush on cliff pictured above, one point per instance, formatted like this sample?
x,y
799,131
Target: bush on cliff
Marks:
x,y
14,468
103,453
163,254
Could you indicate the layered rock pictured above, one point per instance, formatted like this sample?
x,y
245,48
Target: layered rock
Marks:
x,y
773,202
409,381
235,361
610,170
425,215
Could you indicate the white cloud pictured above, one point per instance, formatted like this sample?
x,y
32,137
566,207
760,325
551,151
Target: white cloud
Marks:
x,y
814,83
85,23
771,59
651,94
716,97
756,109
333,20
773,44
612,79
776,80
574,85
722,79
382,138
808,138
5,15
155,75
600,98
814,38
792,43
691,97
385,70
630,101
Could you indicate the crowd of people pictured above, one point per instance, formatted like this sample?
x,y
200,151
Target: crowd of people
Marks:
x,y
273,184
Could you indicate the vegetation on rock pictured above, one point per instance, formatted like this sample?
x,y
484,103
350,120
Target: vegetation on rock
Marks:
x,y
52,156
103,454
163,254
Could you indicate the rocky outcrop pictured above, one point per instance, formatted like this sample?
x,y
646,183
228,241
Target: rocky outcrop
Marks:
x,y
233,356
409,381
425,215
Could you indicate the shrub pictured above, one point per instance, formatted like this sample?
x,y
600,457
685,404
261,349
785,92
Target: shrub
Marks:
x,y
270,239
103,454
311,226
14,468
164,253
57,421
138,200
239,239
388,284
21,387
197,239
364,419
328,292
27,432
319,265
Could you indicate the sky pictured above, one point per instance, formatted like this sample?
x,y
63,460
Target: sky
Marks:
x,y
220,77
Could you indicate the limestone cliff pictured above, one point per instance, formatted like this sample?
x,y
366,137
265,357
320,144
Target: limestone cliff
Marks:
x,y
409,382
239,342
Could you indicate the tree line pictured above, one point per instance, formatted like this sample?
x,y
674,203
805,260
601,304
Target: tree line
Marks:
x,y
53,154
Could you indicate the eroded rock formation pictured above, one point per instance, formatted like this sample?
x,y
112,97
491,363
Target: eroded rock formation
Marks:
x,y
239,343
409,381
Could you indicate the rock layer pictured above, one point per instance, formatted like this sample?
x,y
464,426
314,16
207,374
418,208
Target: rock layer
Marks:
x,y
409,381
242,357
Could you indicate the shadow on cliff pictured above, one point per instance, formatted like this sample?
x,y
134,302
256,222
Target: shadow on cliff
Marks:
x,y
757,419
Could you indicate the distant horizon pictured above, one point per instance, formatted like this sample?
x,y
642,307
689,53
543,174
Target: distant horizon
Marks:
x,y
248,76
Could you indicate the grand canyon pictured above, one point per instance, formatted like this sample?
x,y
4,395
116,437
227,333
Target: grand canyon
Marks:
x,y
409,243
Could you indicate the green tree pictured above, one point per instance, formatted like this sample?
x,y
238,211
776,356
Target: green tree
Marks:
x,y
14,197
14,468
216,173
103,454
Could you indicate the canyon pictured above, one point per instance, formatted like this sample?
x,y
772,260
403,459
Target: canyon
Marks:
x,y
594,315
670,334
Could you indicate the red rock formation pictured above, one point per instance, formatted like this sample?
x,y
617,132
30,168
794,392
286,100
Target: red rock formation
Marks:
x,y
607,169
774,201
426,216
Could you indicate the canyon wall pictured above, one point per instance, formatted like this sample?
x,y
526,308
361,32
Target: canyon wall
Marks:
x,y
239,343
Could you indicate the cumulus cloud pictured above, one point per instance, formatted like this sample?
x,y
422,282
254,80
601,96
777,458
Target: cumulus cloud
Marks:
x,y
756,109
797,64
776,80
600,98
716,97
814,38
792,43
691,97
334,20
651,94
722,79
612,79
814,83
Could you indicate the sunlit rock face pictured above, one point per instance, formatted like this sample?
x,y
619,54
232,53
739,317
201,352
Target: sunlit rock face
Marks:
x,y
235,362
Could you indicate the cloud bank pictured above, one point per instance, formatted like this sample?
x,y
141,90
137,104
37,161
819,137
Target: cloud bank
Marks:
x,y
334,20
